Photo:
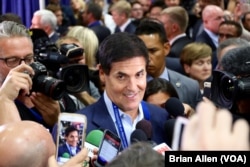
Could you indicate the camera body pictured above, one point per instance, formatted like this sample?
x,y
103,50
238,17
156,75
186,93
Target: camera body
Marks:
x,y
227,88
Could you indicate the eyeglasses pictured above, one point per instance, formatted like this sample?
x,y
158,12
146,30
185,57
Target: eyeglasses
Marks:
x,y
15,61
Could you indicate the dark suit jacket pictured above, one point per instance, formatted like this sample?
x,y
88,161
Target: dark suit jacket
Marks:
x,y
54,37
64,149
173,63
178,45
187,88
130,28
98,118
101,31
204,38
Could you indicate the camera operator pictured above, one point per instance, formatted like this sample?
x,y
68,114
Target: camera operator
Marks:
x,y
235,93
84,96
16,53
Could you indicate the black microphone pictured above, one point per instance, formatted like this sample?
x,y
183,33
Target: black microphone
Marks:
x,y
137,136
174,107
169,130
146,127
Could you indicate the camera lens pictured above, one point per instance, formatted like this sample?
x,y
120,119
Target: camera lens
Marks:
x,y
227,86
51,87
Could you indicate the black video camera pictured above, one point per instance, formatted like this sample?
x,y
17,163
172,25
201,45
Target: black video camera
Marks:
x,y
227,88
75,78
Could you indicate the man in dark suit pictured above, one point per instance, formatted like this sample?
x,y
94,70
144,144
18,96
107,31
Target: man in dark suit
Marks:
x,y
123,59
121,15
175,21
154,36
45,20
212,16
70,147
92,18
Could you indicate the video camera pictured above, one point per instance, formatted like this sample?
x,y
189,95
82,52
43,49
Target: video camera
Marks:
x,y
53,75
227,88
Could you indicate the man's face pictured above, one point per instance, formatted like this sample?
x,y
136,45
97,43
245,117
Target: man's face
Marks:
x,y
125,84
227,31
204,3
157,53
172,2
35,22
155,13
118,17
20,47
59,17
158,99
167,23
200,69
72,138
212,22
136,11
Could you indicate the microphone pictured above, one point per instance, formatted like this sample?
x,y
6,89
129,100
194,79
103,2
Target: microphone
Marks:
x,y
137,136
146,127
93,140
66,155
174,107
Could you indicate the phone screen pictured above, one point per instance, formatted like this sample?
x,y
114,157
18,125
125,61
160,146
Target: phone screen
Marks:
x,y
109,147
71,133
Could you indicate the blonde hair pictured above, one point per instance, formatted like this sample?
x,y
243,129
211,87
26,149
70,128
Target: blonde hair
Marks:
x,y
122,6
88,40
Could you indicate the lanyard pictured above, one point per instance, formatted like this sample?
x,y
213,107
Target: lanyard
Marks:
x,y
120,126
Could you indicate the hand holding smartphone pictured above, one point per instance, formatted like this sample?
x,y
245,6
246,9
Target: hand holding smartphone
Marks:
x,y
109,148
70,136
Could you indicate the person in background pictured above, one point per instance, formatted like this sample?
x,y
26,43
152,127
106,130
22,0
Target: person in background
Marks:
x,y
246,20
229,29
121,11
11,17
78,8
158,91
170,3
47,21
136,12
196,61
155,9
56,9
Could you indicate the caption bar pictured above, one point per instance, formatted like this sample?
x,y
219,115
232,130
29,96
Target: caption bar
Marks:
x,y
209,158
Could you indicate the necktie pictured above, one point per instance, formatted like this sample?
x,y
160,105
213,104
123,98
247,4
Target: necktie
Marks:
x,y
117,29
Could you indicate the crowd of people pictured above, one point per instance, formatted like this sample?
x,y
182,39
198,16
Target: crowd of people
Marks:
x,y
139,54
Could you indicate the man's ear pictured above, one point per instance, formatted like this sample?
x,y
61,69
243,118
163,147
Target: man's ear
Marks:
x,y
101,74
166,48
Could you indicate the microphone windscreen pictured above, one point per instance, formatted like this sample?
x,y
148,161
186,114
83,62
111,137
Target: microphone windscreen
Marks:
x,y
146,127
94,137
169,130
66,155
138,135
174,107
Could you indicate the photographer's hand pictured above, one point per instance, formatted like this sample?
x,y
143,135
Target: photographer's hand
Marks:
x,y
212,129
48,107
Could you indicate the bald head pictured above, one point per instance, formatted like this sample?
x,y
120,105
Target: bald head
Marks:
x,y
212,16
25,144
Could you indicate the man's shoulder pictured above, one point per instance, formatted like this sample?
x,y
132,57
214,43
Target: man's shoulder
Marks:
x,y
176,75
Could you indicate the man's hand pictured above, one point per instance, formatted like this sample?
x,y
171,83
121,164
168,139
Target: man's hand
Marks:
x,y
48,107
212,129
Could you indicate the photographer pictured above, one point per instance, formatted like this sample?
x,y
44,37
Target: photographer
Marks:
x,y
16,53
234,94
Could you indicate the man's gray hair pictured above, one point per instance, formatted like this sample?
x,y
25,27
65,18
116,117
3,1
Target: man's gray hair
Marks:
x,y
12,29
47,18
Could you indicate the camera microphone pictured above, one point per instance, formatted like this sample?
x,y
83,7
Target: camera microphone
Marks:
x,y
174,107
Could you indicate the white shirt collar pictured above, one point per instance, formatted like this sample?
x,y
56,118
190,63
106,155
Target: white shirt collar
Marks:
x,y
122,27
214,37
176,37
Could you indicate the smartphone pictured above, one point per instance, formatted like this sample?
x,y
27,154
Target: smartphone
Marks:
x,y
178,130
109,148
70,135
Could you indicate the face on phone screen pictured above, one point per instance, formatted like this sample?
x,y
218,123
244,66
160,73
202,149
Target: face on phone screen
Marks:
x,y
109,148
70,140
